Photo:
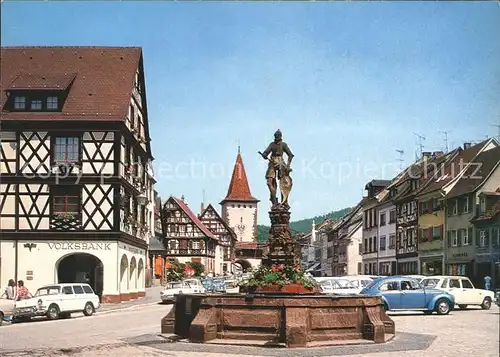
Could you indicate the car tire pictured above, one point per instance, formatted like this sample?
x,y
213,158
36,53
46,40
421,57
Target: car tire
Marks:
x,y
442,307
462,306
53,312
386,308
88,310
486,305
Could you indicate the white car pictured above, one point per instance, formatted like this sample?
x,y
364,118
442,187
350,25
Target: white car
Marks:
x,y
462,289
174,288
231,286
6,309
196,285
58,301
359,281
339,286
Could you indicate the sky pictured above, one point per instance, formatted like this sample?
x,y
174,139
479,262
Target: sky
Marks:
x,y
348,84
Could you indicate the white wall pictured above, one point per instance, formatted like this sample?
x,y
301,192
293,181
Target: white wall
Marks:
x,y
7,262
386,230
241,213
353,256
135,280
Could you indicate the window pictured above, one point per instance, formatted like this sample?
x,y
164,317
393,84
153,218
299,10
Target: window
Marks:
x,y
67,290
382,243
465,237
435,205
36,104
436,232
66,199
370,242
466,204
67,149
392,216
409,285
392,241
455,283
391,286
382,219
495,236
375,247
78,289
466,284
195,244
455,207
482,204
52,103
430,283
445,283
482,238
19,103
87,289
454,238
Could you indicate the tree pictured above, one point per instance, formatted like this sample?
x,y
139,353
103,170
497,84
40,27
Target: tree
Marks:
x,y
198,268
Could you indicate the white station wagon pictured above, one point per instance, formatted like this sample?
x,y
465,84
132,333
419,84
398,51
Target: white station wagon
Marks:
x,y
58,301
462,289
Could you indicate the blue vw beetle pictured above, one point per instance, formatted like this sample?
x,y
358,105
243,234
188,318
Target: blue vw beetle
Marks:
x,y
403,293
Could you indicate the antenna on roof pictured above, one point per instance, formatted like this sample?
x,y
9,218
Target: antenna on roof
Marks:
x,y
401,159
421,138
238,146
445,133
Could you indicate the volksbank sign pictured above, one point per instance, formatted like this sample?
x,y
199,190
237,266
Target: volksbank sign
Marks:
x,y
79,246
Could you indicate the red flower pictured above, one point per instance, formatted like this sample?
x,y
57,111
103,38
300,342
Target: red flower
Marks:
x,y
281,267
275,269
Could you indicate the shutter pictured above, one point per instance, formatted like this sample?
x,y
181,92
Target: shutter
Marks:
x,y
469,235
459,237
429,206
448,234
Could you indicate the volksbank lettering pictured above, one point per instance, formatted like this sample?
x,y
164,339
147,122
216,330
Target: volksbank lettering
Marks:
x,y
79,246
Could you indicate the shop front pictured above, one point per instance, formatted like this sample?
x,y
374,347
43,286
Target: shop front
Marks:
x,y
460,261
408,266
431,265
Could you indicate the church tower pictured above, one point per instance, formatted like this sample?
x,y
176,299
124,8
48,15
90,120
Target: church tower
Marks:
x,y
239,208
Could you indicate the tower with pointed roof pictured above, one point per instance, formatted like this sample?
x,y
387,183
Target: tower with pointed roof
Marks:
x,y
239,208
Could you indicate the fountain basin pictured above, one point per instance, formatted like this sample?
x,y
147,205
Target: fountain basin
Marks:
x,y
279,319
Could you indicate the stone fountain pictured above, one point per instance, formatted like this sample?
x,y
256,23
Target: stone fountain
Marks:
x,y
276,317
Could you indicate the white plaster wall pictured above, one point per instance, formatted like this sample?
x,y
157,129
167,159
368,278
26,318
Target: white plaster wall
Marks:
x,y
7,261
235,215
43,260
9,148
27,203
492,183
132,280
91,142
38,142
353,256
8,197
103,195
218,259
387,230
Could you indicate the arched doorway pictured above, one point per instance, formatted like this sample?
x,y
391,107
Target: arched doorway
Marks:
x,y
81,268
124,274
133,277
140,273
242,265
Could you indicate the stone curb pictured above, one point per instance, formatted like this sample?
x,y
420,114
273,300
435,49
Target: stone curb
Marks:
x,y
117,309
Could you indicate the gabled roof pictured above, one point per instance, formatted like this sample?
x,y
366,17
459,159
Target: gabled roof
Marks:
x,y
378,183
212,209
184,207
452,168
477,173
239,190
101,79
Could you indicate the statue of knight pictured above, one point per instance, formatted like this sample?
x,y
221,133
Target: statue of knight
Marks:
x,y
278,170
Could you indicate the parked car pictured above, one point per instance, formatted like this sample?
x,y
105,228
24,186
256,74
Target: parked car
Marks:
x,y
402,293
6,309
339,286
462,289
231,286
361,281
416,277
497,297
174,288
58,301
196,285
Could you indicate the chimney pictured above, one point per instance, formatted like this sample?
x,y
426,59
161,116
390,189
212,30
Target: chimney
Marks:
x,y
202,207
183,198
426,155
437,153
467,146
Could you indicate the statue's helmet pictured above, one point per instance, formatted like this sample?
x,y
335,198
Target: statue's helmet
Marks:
x,y
277,134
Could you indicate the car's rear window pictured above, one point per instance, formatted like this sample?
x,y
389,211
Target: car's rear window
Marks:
x,y
87,289
78,289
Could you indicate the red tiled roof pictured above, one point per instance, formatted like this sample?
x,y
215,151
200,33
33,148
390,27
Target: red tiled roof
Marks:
x,y
102,79
183,206
239,190
477,172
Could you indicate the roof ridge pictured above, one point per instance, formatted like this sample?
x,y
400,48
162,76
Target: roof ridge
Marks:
x,y
183,206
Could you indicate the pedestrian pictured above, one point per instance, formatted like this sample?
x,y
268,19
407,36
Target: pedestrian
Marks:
x,y
22,291
10,291
487,282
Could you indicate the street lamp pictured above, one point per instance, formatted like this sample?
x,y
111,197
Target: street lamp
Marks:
x,y
142,199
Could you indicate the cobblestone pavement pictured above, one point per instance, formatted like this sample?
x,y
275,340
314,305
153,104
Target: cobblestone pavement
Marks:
x,y
462,333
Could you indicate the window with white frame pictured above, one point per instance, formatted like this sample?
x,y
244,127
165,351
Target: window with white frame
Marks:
x,y
195,244
465,237
20,103
454,238
52,102
483,204
466,204
482,238
455,207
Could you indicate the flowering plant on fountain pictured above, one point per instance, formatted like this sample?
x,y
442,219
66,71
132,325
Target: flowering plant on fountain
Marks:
x,y
280,278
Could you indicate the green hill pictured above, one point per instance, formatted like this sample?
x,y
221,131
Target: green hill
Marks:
x,y
303,225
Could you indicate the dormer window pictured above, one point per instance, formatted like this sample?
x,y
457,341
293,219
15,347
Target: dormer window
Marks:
x,y
36,104
52,103
19,103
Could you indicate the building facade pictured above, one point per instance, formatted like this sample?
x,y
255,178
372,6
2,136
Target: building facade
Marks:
x,y
77,184
387,236
348,244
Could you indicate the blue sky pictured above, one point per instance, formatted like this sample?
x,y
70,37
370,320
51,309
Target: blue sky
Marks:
x,y
347,83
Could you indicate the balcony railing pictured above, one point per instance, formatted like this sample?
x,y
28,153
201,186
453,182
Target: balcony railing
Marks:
x,y
66,221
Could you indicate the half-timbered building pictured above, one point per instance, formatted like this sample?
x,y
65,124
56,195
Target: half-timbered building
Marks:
x,y
225,236
76,177
186,238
